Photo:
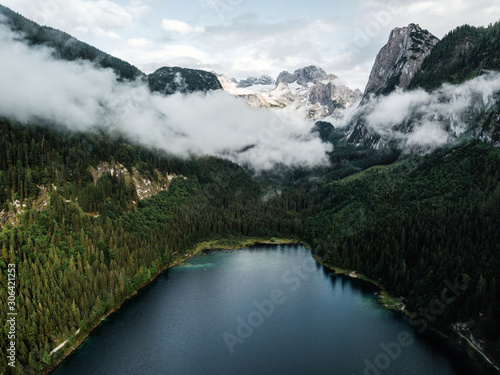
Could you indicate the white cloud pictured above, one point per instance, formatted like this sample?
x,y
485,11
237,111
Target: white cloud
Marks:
x,y
180,27
428,119
149,59
427,135
441,16
393,110
82,18
343,38
139,43
79,96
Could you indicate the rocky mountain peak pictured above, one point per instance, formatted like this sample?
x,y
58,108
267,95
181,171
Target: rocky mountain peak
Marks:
x,y
333,96
303,76
320,93
399,60
263,80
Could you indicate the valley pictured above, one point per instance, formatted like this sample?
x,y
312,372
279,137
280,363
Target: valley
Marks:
x,y
111,178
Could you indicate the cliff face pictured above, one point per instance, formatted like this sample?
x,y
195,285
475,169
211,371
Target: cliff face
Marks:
x,y
399,60
395,66
310,87
333,96
263,80
303,76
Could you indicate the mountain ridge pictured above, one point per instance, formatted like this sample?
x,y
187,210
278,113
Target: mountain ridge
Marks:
x,y
94,242
309,87
400,59
433,69
66,47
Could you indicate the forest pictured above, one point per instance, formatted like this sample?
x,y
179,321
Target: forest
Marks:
x,y
82,244
83,237
463,53
92,244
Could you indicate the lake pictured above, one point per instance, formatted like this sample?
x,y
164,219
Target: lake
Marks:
x,y
261,310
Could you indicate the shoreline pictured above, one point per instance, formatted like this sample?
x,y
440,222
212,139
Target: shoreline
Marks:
x,y
199,248
468,348
385,299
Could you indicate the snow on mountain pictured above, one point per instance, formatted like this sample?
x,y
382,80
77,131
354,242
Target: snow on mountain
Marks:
x,y
320,93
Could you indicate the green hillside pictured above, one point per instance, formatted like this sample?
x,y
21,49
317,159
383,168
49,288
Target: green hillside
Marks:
x,y
464,53
67,47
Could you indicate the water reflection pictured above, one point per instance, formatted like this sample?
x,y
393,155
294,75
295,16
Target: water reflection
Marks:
x,y
325,323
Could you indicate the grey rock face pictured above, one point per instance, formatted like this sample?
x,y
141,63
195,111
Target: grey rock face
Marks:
x,y
333,96
303,76
310,87
399,60
263,80
396,64
321,93
285,77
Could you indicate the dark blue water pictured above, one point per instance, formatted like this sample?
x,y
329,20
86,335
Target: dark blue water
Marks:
x,y
265,310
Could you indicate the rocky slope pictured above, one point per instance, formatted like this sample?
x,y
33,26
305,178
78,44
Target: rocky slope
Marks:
x,y
400,59
396,64
251,81
303,76
461,79
310,88
333,97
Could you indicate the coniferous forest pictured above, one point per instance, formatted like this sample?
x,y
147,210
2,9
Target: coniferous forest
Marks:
x,y
83,244
87,218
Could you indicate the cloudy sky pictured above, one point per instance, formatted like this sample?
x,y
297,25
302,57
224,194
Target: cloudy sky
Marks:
x,y
242,38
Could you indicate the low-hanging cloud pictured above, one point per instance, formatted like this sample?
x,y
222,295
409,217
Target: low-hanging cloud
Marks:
x,y
427,119
79,96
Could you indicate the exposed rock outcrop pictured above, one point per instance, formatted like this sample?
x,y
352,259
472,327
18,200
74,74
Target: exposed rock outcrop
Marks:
x,y
333,96
303,76
145,187
399,60
263,80
395,65
310,87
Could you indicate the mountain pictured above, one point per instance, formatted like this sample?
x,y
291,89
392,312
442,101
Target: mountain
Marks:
x,y
326,132
88,218
333,96
169,80
106,216
263,80
303,76
400,59
462,54
65,46
465,57
392,219
311,88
